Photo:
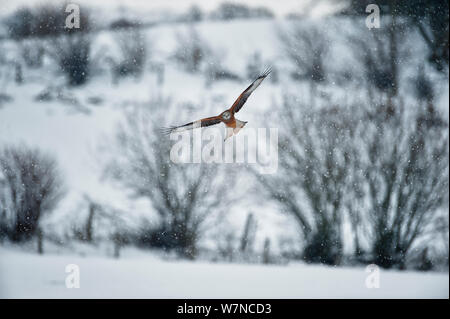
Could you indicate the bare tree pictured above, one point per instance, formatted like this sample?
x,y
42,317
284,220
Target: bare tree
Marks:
x,y
404,164
430,18
388,174
191,51
31,187
226,242
306,47
183,195
72,53
382,57
69,47
432,22
423,87
266,252
193,14
312,182
134,50
441,234
32,52
248,236
85,232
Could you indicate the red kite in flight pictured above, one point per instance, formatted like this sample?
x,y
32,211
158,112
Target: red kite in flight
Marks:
x,y
227,116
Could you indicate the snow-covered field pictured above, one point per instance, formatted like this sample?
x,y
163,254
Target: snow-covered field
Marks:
x,y
143,275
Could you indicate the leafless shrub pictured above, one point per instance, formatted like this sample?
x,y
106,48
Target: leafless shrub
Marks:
x,y
184,196
230,11
248,235
43,21
21,23
133,53
441,232
406,181
307,48
312,180
32,53
255,64
381,57
389,175
215,71
30,186
193,14
423,86
64,96
5,98
72,54
227,245
123,23
191,51
69,47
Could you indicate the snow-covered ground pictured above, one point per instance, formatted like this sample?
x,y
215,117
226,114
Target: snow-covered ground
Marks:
x,y
143,275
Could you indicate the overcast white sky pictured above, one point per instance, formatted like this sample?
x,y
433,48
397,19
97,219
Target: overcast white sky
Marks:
x,y
279,7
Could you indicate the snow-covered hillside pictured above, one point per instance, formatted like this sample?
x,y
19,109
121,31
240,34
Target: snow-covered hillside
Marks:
x,y
75,134
77,124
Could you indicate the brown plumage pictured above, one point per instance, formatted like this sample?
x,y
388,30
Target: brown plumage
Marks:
x,y
227,116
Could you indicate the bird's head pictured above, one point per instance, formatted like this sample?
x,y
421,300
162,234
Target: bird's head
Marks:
x,y
226,115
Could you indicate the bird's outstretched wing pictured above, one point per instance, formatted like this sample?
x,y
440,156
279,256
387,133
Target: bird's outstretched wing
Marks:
x,y
239,103
189,126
